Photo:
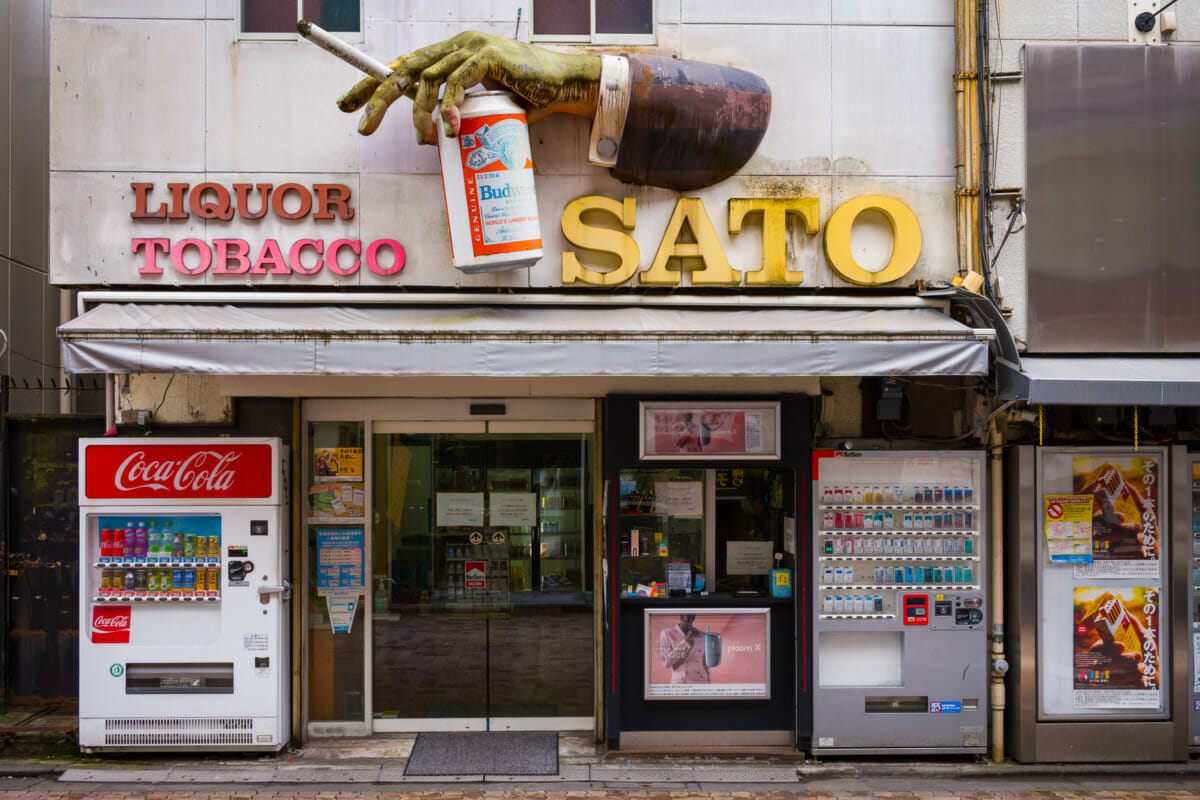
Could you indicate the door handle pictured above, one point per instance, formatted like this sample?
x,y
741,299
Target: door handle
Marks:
x,y
284,591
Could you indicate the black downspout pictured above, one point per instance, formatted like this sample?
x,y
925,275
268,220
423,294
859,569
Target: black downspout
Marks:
x,y
985,190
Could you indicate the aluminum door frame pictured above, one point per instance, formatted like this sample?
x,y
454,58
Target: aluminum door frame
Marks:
x,y
451,724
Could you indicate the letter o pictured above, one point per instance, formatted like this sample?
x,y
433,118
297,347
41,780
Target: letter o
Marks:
x,y
201,247
305,201
906,236
373,264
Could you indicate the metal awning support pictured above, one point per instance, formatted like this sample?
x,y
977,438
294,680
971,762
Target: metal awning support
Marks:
x,y
1100,380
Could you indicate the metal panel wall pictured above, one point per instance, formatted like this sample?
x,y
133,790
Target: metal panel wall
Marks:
x,y
1112,165
28,310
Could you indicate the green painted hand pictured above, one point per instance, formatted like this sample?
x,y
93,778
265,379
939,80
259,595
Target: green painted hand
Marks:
x,y
545,82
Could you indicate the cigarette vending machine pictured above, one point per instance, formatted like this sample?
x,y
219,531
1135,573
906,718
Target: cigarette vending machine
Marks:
x,y
1193,561
899,602
183,595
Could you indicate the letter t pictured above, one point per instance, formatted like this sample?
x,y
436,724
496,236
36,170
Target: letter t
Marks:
x,y
774,233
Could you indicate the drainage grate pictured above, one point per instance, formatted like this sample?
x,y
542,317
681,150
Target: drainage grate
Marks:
x,y
131,731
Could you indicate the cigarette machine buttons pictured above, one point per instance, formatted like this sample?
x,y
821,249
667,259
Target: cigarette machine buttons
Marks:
x,y
916,609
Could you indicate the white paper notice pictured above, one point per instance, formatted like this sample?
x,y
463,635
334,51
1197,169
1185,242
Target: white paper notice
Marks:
x,y
459,509
749,558
679,498
512,508
754,431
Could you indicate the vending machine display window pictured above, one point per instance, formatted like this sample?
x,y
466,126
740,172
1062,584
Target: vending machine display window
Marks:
x,y
702,531
155,558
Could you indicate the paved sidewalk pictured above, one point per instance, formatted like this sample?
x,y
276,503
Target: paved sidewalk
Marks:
x,y
173,794
374,768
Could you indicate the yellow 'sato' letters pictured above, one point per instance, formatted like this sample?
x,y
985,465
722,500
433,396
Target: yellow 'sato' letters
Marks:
x,y
715,269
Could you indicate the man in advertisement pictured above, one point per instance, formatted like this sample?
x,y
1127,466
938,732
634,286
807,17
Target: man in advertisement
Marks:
x,y
681,649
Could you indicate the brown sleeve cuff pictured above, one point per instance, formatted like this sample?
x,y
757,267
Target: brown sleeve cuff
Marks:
x,y
689,124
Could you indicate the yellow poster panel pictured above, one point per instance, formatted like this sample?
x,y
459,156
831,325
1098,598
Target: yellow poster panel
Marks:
x,y
1068,520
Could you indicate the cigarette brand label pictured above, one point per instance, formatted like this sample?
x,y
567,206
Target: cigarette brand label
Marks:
x,y
498,180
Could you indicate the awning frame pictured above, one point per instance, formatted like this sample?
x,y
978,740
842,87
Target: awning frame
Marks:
x,y
525,335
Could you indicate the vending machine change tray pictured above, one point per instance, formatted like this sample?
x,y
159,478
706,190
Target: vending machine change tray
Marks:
x,y
179,678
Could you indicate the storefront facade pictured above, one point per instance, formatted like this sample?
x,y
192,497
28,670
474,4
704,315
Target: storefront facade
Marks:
x,y
536,473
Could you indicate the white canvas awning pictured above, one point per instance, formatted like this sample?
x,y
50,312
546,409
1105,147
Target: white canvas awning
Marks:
x,y
1101,380
512,340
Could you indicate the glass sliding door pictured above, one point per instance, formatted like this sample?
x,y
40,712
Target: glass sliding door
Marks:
x,y
481,568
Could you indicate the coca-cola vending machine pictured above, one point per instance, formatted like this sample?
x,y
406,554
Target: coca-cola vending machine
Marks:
x,y
184,594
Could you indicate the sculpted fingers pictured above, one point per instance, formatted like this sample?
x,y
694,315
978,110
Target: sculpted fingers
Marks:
x,y
388,92
430,81
353,100
469,73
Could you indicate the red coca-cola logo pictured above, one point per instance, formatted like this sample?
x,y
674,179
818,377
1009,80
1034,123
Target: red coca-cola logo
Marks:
x,y
111,624
178,471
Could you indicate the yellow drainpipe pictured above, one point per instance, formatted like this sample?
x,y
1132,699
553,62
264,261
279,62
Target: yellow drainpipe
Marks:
x,y
967,175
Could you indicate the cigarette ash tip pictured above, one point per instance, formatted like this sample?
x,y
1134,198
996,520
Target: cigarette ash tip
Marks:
x,y
304,27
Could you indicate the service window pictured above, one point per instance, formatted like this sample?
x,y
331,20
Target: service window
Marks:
x,y
586,21
711,531
276,19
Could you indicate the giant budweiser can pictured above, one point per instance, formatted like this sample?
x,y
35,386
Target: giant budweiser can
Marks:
x,y
487,178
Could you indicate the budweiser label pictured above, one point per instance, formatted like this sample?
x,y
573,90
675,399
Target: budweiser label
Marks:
x,y
110,624
488,184
178,471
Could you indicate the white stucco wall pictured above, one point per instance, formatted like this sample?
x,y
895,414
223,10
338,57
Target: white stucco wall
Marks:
x,y
146,91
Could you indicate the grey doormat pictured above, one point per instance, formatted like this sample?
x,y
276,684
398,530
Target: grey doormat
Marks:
x,y
490,753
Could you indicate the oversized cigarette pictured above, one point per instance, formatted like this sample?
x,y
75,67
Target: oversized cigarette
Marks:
x,y
351,55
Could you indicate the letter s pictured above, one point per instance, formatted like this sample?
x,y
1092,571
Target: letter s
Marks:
x,y
603,240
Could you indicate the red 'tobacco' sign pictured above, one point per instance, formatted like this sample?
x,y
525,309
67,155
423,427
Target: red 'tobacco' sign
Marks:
x,y
178,471
110,624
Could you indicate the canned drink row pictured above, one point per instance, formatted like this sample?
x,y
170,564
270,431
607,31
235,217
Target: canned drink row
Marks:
x,y
140,544
160,581
908,546
908,521
896,494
